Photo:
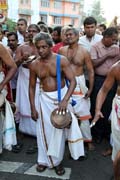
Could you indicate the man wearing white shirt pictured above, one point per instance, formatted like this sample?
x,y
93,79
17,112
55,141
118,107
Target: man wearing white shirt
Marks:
x,y
21,30
90,37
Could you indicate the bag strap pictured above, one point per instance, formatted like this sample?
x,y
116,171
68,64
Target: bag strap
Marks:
x,y
59,76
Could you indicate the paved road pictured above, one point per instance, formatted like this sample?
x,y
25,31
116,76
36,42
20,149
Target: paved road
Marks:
x,y
21,166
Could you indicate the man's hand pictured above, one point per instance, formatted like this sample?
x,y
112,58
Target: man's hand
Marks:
x,y
87,95
34,115
97,116
63,105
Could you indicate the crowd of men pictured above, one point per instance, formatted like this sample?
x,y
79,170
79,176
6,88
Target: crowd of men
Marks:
x,y
43,69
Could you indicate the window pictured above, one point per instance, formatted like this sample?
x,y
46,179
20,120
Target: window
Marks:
x,y
45,3
24,1
73,6
57,4
57,20
44,18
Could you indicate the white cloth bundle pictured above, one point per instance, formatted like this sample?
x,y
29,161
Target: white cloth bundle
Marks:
x,y
9,131
81,85
9,137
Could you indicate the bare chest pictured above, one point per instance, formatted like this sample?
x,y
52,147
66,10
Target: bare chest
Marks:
x,y
75,56
46,71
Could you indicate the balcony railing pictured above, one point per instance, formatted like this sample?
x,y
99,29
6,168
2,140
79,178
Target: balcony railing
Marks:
x,y
25,11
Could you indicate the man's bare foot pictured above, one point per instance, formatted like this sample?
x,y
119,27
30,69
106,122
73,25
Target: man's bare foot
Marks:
x,y
107,152
91,147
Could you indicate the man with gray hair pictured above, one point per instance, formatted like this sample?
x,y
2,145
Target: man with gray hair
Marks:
x,y
52,69
78,57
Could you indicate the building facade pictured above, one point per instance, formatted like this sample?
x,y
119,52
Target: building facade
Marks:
x,y
52,12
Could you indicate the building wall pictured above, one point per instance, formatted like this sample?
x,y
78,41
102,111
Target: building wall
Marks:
x,y
66,12
24,10
32,10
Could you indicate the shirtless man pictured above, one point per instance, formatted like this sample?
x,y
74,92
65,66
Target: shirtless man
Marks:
x,y
6,59
28,48
112,77
26,124
78,57
44,68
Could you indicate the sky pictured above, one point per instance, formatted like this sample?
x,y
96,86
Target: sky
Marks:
x,y
110,8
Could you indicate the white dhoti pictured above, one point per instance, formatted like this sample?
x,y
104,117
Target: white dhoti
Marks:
x,y
26,124
115,119
7,124
51,141
82,107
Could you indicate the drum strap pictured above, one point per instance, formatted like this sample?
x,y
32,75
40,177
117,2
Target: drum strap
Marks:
x,y
59,77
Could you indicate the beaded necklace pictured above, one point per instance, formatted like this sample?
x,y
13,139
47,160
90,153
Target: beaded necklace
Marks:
x,y
70,58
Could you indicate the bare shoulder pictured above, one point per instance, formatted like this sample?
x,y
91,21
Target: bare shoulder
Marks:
x,y
63,49
62,58
2,47
83,50
114,71
3,50
64,61
34,64
22,46
9,50
116,66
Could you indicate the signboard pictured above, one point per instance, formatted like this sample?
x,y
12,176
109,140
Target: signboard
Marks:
x,y
3,4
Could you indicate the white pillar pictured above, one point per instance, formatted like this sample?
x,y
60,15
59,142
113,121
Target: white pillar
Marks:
x,y
35,4
13,10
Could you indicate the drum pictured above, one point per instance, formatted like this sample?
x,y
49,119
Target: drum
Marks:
x,y
60,119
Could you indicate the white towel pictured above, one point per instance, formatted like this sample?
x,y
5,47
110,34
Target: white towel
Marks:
x,y
9,137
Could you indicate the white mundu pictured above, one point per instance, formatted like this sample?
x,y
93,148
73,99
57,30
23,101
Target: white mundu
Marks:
x,y
82,107
26,124
51,141
115,119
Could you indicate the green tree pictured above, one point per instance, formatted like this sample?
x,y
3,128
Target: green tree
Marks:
x,y
11,25
97,12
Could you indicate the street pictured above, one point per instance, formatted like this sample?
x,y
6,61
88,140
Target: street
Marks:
x,y
21,166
